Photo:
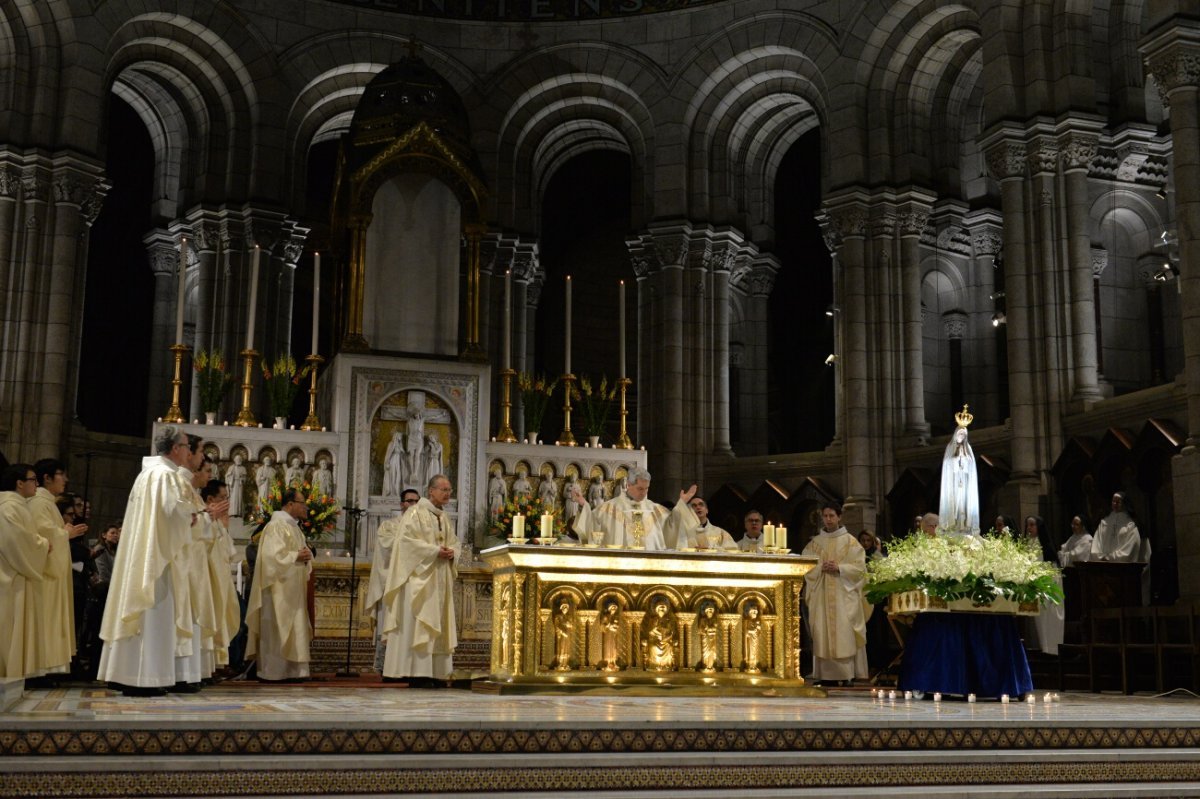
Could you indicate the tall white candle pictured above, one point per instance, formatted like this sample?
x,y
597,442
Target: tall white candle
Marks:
x,y
621,326
253,298
316,315
567,364
507,346
768,536
518,526
547,527
183,259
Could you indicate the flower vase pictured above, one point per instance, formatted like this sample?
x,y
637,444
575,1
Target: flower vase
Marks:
x,y
594,441
280,422
531,438
210,417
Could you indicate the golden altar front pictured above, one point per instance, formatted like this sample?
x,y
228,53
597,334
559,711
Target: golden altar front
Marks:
x,y
575,618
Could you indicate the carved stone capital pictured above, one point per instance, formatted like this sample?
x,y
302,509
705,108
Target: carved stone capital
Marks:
x,y
1043,158
912,222
35,185
93,201
1099,261
533,292
1006,160
1177,66
10,181
847,221
721,257
987,243
954,324
650,252
206,236
525,263
883,225
164,260
1079,151
293,248
755,278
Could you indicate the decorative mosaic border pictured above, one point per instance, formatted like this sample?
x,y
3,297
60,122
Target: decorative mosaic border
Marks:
x,y
137,742
659,777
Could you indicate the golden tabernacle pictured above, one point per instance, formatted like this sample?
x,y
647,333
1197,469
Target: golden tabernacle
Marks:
x,y
598,619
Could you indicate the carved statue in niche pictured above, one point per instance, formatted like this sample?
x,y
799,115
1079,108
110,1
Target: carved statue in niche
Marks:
x,y
265,476
521,486
434,464
659,637
708,630
596,492
322,479
610,636
393,466
547,490
235,477
564,634
294,475
505,622
497,491
751,632
570,506
413,435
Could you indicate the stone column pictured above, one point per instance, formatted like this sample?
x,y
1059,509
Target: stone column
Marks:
x,y
1048,329
353,339
722,270
954,328
163,256
203,244
1078,151
912,218
10,188
987,371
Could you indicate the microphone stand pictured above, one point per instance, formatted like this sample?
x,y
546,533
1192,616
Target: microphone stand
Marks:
x,y
354,514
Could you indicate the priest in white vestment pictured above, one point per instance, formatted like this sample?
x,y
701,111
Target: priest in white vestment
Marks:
x,y
381,566
419,623
1078,547
833,593
697,532
1117,537
630,519
23,555
204,613
222,560
147,618
752,535
58,589
280,633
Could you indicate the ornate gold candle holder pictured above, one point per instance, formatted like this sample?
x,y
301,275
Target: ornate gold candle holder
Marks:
x,y
246,417
174,414
311,422
623,440
565,438
505,433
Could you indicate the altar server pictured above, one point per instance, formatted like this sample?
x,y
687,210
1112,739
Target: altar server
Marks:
x,y
280,633
23,555
57,594
834,594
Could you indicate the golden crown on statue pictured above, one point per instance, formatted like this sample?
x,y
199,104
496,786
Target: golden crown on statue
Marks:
x,y
964,417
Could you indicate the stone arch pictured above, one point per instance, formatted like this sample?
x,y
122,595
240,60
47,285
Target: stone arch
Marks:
x,y
27,37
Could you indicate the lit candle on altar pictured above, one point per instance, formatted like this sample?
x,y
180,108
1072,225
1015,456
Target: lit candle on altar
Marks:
x,y
507,346
547,525
769,536
182,287
621,326
567,365
316,313
253,298
781,537
519,526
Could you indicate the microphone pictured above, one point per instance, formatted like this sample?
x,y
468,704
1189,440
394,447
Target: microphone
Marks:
x,y
355,511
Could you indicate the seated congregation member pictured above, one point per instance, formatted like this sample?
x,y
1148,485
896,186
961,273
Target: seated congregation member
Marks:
x,y
1078,547
834,594
280,633
23,557
1117,537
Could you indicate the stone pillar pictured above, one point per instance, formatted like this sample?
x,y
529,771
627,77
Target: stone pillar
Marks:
x,y
986,372
353,339
203,245
163,255
912,218
954,328
722,271
472,348
1172,52
1078,151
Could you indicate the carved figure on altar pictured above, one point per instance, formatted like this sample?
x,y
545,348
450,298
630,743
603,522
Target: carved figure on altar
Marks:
x,y
264,476
393,466
497,492
294,475
235,477
596,492
620,485
751,632
433,456
505,621
610,636
547,492
564,634
570,505
322,479
959,506
659,640
708,630
521,486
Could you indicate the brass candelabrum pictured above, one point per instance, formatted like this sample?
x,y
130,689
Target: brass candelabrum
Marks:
x,y
174,414
505,433
623,440
311,422
565,438
246,417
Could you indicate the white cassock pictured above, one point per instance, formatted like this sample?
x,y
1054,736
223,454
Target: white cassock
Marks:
x,y
23,555
55,597
280,633
836,616
419,597
381,565
204,613
748,544
147,628
1117,539
1076,549
618,517
688,526
222,561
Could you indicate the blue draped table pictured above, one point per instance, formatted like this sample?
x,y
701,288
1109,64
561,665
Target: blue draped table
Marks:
x,y
965,653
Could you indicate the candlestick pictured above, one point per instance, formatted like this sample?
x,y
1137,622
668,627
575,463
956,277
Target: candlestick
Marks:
x,y
518,526
567,357
316,312
623,440
621,326
507,345
311,422
505,433
781,537
253,299
565,438
768,533
246,417
547,525
182,291
174,414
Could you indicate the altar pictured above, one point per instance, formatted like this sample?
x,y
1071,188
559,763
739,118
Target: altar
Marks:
x,y
580,619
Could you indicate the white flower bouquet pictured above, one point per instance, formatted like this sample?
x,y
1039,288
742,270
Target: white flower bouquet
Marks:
x,y
979,568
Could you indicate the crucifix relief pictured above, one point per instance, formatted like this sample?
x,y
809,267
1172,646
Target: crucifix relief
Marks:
x,y
412,456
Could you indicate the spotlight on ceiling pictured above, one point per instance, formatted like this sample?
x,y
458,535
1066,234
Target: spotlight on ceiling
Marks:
x,y
830,359
997,295
832,310
998,318
1161,193
1166,272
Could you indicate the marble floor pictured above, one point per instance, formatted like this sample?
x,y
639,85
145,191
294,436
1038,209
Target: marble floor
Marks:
x,y
326,739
